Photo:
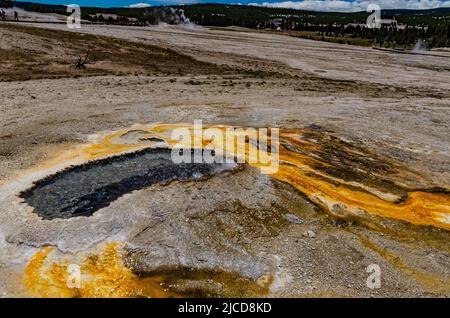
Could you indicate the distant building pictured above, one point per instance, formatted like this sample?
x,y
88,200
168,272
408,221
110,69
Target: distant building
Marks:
x,y
361,25
389,23
384,23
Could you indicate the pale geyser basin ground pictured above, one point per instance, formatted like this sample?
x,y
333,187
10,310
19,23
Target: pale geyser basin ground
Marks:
x,y
240,228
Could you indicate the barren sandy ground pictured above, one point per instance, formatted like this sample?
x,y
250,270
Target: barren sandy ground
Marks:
x,y
395,106
325,59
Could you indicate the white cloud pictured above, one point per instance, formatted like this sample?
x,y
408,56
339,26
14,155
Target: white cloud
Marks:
x,y
357,5
139,5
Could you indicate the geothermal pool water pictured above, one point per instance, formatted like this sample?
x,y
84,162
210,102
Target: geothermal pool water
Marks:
x,y
82,190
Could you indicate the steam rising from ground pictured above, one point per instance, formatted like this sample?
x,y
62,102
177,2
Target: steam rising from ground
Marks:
x,y
420,46
169,15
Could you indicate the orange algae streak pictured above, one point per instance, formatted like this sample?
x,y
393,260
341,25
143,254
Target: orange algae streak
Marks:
x,y
103,274
333,194
44,284
107,146
420,208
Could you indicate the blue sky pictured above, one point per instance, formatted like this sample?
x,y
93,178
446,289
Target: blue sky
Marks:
x,y
318,5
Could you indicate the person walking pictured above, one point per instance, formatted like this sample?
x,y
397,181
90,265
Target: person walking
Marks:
x,y
16,16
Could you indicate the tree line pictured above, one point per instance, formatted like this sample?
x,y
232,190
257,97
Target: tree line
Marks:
x,y
430,26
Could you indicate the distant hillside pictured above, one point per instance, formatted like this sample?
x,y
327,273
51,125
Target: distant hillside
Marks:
x,y
226,15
